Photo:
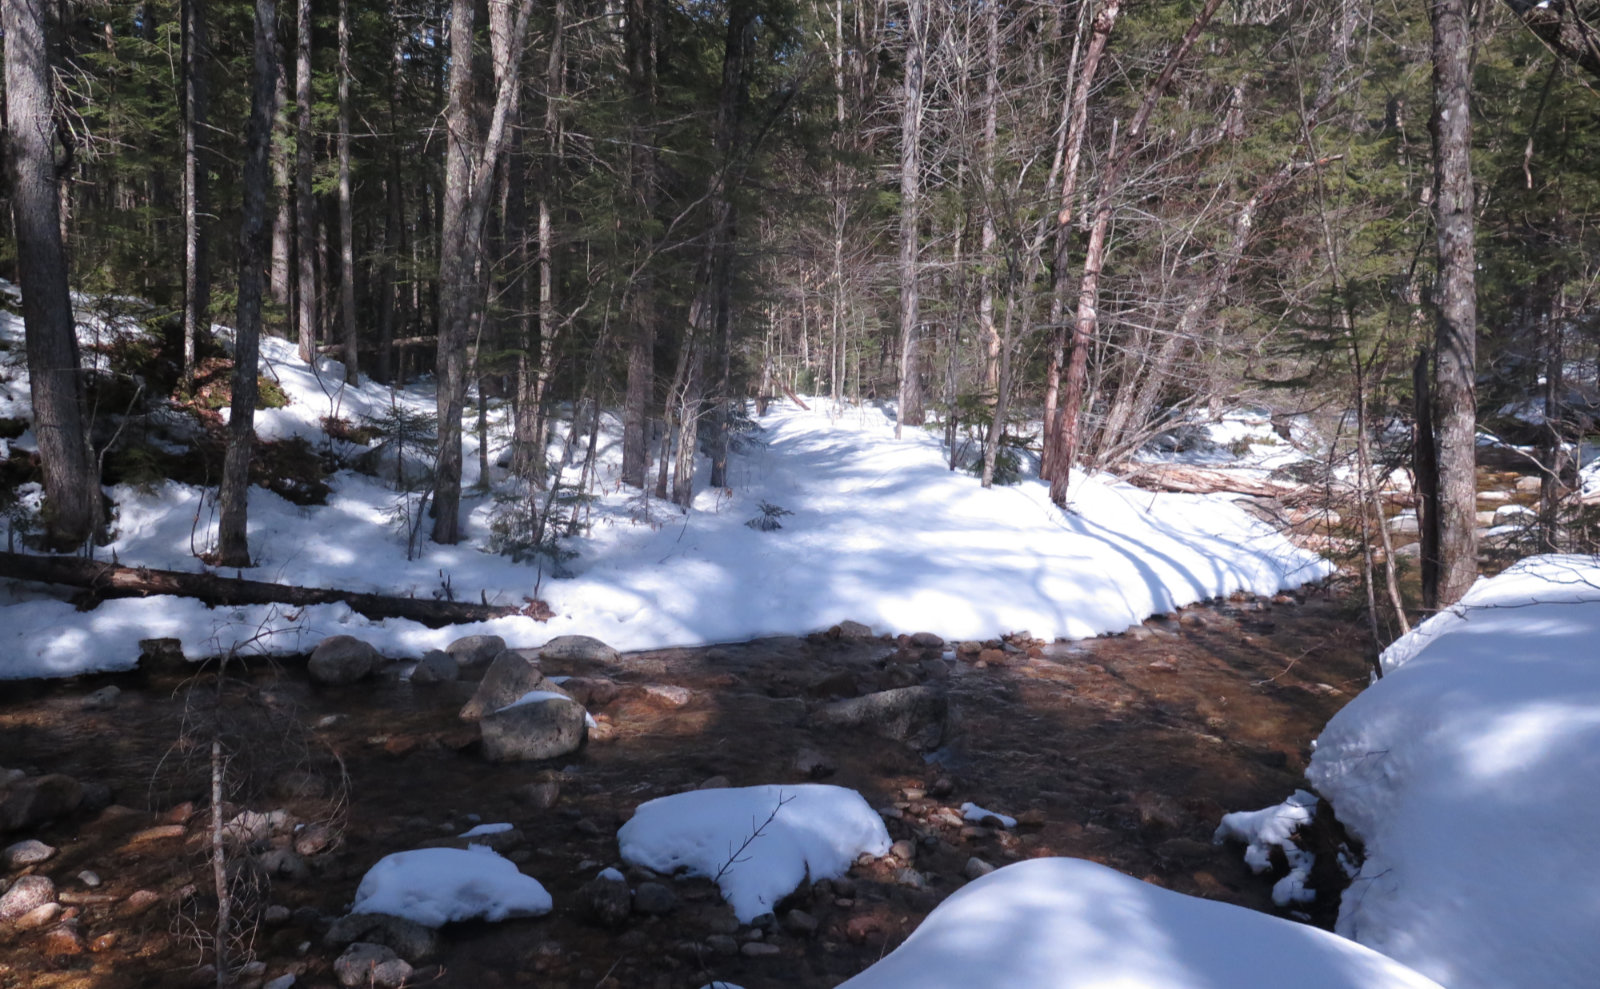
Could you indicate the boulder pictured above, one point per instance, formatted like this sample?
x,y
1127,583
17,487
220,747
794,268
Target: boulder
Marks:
x,y
162,656
407,938
591,692
541,729
341,659
914,715
851,631
654,899
365,964
605,900
25,853
926,640
436,667
475,650
578,649
26,895
33,802
509,677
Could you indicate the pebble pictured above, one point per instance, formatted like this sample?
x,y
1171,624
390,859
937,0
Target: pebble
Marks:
x,y
722,944
63,940
799,922
40,916
29,852
759,949
905,851
281,982
89,878
655,899
977,868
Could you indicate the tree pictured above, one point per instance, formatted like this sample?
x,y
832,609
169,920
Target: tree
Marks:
x,y
305,205
1456,326
347,249
196,202
909,407
71,481
233,547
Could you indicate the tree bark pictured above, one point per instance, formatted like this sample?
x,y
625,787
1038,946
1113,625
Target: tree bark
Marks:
x,y
1455,331
305,207
233,547
107,580
909,406
282,187
71,484
196,202
1557,24
987,235
347,250
640,52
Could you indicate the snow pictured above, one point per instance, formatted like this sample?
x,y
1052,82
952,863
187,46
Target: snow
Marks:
x,y
758,842
437,886
972,812
1058,923
483,829
1272,827
611,874
881,532
1471,772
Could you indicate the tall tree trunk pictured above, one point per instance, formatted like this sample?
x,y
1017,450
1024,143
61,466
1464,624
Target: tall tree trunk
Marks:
x,y
1068,430
991,109
305,206
469,184
282,187
196,202
909,408
640,52
233,549
1072,166
1455,336
72,489
347,250
730,142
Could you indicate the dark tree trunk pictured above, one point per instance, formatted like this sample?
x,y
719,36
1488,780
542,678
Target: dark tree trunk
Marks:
x,y
233,549
282,187
347,250
305,205
72,490
196,205
640,51
1455,336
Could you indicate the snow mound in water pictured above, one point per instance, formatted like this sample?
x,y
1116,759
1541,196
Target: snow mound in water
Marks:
x,y
1472,774
437,886
1059,923
763,840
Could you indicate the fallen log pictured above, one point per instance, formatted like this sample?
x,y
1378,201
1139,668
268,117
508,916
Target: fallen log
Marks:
x,y
109,580
1201,480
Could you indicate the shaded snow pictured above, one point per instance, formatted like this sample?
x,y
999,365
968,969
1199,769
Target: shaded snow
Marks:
x,y
1471,772
436,886
1058,923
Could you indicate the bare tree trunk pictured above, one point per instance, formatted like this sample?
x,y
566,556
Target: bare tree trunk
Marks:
x,y
233,549
1457,326
469,183
347,250
1072,166
1552,481
991,109
1068,429
283,188
910,401
72,489
196,202
304,199
1425,465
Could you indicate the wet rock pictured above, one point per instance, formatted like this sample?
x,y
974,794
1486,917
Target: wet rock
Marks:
x,y
722,944
63,940
475,650
276,915
370,965
914,715
811,764
851,631
508,678
436,667
926,640
341,659
840,684
40,916
578,649
666,695
541,729
799,922
759,949
28,852
314,839
89,878
26,894
139,901
103,699
282,863
284,981
654,899
591,692
162,656
409,939
976,868
991,657
33,802
540,795
605,901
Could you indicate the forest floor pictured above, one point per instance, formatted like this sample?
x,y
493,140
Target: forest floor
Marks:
x,y
1122,749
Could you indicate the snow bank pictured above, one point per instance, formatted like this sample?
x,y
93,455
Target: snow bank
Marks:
x,y
1058,923
763,840
437,886
1472,773
881,531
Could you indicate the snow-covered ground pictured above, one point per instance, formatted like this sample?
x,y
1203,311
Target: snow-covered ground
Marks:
x,y
1059,923
881,531
1472,773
